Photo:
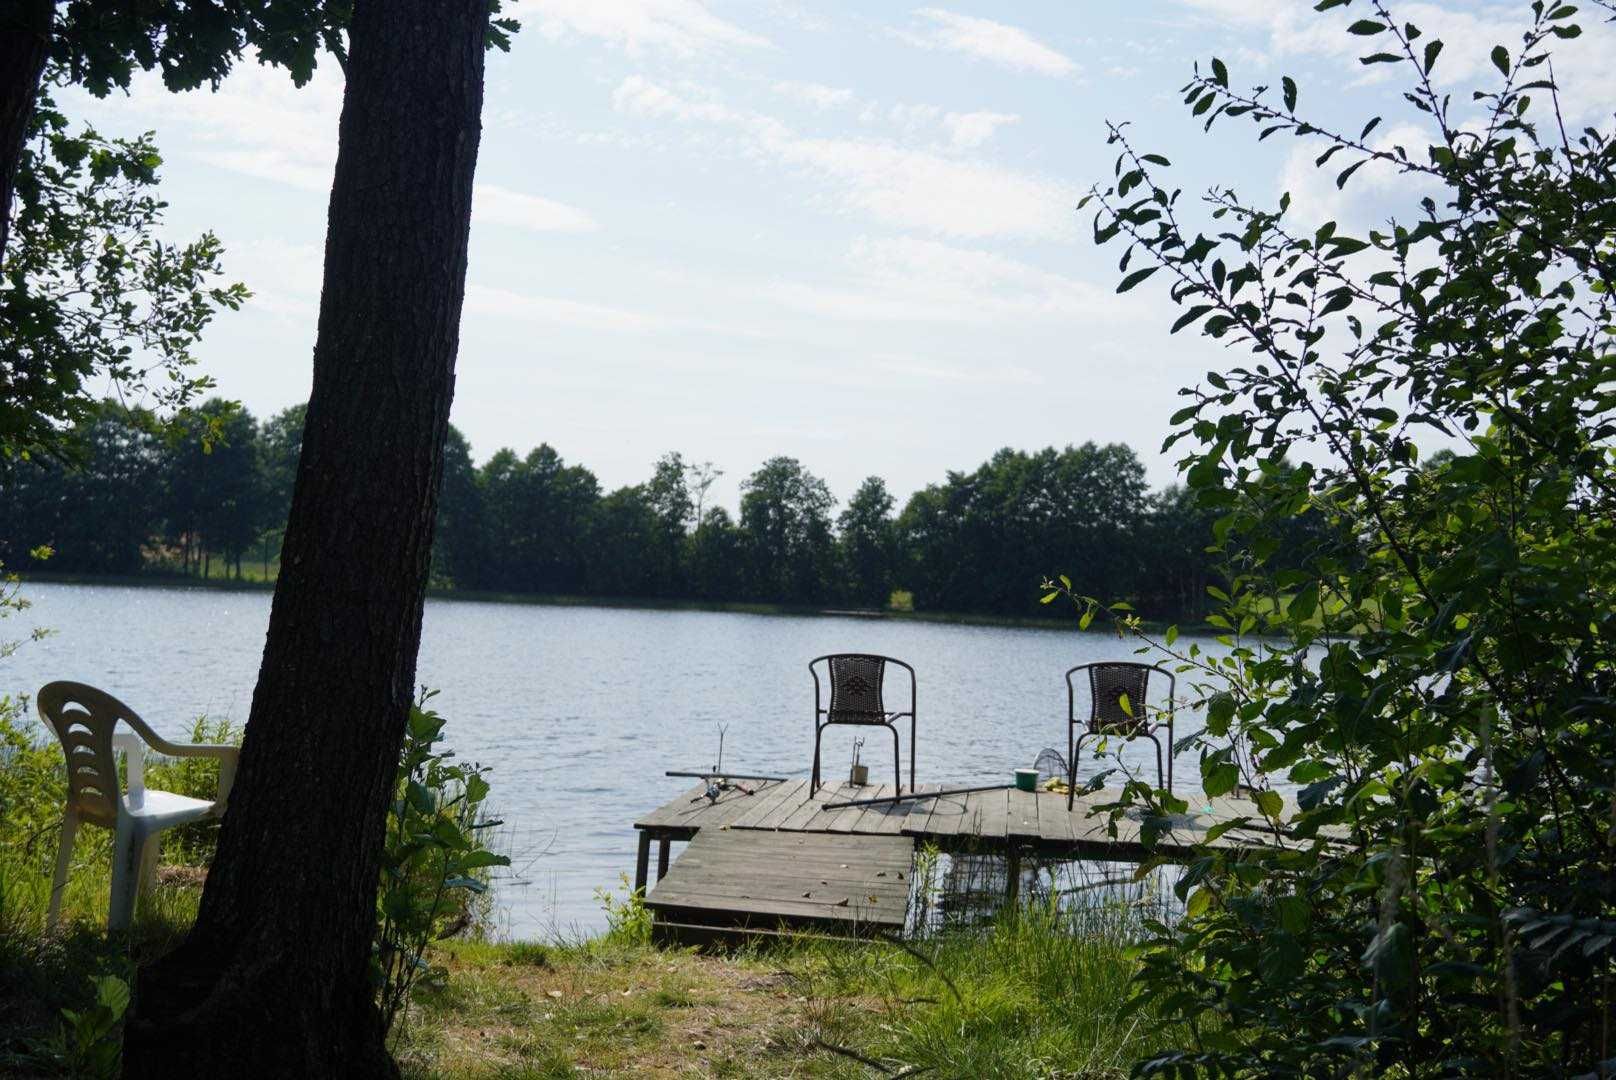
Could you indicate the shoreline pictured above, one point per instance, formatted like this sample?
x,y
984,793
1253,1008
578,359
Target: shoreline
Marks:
x,y
1014,622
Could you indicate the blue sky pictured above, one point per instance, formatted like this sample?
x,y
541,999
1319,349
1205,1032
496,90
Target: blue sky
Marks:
x,y
839,231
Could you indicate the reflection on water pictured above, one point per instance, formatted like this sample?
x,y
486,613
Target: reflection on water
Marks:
x,y
581,710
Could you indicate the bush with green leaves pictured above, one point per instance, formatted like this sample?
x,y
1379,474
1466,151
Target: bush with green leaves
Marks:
x,y
1434,670
435,862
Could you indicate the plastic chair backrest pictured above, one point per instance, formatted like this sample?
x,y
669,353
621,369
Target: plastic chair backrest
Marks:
x,y
855,690
85,720
1107,685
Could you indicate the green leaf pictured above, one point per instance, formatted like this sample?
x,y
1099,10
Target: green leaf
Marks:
x,y
1135,278
1188,317
1501,58
1270,803
1048,597
1433,49
1288,89
1366,28
420,798
1218,777
1198,903
1219,72
1281,959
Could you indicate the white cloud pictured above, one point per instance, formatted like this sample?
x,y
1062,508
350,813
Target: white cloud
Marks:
x,y
818,95
972,129
496,205
910,280
1376,191
1582,66
489,301
899,185
682,27
984,39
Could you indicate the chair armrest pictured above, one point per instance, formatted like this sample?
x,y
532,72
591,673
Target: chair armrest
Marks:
x,y
228,757
134,755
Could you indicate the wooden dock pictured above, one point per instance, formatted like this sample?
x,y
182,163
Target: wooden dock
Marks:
x,y
767,855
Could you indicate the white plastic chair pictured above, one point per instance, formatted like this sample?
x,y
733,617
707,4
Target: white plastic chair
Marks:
x,y
85,720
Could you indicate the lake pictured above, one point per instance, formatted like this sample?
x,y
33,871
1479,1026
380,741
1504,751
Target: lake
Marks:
x,y
582,709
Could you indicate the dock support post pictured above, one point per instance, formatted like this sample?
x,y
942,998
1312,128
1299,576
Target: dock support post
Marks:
x,y
642,861
662,858
1012,876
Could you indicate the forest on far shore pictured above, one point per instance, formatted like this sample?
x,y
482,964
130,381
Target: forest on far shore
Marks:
x,y
212,499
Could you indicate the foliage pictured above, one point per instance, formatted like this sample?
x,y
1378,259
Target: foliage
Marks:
x,y
1435,672
435,860
192,44
33,786
537,524
628,921
88,291
869,541
785,517
90,1043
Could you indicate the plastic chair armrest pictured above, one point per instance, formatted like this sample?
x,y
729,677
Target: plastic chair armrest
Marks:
x,y
134,754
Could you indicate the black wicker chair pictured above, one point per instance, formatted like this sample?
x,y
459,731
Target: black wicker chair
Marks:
x,y
1108,682
857,698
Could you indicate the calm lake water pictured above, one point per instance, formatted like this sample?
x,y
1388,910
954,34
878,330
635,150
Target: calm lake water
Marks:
x,y
582,709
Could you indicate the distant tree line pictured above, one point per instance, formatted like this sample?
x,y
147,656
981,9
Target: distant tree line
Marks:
x,y
211,501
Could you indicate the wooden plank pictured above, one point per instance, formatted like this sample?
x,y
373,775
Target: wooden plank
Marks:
x,y
889,819
689,810
843,821
786,910
785,800
1054,822
1022,815
811,815
989,815
739,874
947,818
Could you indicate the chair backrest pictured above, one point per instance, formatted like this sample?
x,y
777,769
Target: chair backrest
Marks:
x,y
1108,682
856,684
84,720
858,689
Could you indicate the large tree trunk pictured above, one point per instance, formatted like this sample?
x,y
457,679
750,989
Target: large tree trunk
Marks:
x,y
272,981
25,27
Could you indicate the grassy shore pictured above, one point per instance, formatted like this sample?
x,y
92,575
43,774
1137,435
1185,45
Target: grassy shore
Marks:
x,y
1027,995
1060,618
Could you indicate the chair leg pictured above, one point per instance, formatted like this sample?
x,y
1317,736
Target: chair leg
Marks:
x,y
1071,776
151,850
64,859
897,761
1161,777
813,780
911,755
126,845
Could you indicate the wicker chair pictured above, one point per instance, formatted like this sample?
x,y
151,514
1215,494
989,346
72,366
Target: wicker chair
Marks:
x,y
1108,682
857,698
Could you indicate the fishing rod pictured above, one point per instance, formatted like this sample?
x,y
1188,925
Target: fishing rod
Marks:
x,y
710,774
915,795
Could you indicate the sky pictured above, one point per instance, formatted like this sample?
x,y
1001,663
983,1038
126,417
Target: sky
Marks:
x,y
844,232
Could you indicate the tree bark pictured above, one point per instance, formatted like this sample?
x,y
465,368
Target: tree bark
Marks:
x,y
25,30
273,978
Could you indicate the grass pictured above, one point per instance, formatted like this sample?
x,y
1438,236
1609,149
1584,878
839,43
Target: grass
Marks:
x,y
1028,993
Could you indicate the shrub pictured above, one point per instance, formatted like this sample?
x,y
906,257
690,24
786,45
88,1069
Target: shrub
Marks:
x,y
1434,670
435,862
